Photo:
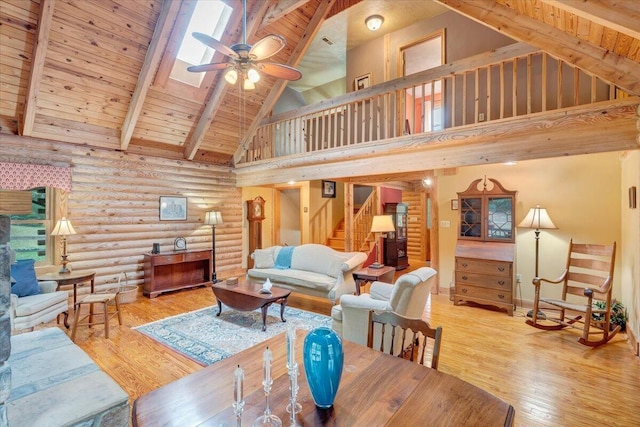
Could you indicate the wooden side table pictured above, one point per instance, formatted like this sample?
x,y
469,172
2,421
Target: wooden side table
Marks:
x,y
384,274
72,278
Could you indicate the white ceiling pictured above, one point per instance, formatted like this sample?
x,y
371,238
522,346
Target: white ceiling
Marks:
x,y
325,63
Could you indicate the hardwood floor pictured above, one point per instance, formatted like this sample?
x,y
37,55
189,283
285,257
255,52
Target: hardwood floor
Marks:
x,y
548,377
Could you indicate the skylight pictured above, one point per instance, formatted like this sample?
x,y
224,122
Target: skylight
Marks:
x,y
209,17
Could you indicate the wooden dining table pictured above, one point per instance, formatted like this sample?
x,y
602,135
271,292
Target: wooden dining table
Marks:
x,y
376,389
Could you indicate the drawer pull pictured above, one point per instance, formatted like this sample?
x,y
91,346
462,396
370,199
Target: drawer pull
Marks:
x,y
501,282
500,268
465,265
465,278
500,296
464,290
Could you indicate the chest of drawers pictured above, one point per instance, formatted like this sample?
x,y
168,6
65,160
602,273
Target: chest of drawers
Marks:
x,y
484,274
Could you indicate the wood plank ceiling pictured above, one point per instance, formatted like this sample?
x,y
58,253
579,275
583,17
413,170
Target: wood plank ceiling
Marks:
x,y
95,72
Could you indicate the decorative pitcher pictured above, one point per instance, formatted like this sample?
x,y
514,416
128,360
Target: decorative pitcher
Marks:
x,y
323,359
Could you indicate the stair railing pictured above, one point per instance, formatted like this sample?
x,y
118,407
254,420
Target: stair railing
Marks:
x,y
362,220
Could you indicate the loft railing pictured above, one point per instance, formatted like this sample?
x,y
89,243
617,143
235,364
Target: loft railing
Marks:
x,y
512,81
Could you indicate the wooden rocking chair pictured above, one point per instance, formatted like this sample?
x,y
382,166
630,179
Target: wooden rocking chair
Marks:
x,y
589,274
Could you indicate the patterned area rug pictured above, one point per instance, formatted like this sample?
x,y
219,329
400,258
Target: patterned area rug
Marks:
x,y
207,339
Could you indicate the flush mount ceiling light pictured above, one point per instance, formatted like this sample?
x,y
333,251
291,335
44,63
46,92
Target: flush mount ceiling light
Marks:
x,y
374,22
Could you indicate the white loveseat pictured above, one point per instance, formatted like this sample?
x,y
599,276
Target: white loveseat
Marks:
x,y
315,270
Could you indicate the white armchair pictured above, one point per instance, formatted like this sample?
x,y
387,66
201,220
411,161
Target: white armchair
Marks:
x,y
25,312
407,297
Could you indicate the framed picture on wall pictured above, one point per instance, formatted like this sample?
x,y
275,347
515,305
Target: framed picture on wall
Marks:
x,y
173,208
328,189
362,82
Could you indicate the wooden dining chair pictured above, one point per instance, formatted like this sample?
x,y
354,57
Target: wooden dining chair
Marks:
x,y
587,277
401,335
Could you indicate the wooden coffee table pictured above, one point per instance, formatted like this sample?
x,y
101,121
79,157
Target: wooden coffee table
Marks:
x,y
245,296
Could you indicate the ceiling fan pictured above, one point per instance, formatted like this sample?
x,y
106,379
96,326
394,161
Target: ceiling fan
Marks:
x,y
246,60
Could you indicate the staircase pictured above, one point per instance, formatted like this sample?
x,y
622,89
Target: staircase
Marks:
x,y
336,240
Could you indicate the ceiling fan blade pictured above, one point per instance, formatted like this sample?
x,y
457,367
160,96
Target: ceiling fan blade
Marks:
x,y
215,44
207,67
267,47
280,71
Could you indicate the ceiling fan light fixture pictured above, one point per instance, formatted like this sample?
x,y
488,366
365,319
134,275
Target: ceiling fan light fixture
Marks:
x,y
374,22
253,75
231,76
248,84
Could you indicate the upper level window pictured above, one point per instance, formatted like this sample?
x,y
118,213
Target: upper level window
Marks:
x,y
209,17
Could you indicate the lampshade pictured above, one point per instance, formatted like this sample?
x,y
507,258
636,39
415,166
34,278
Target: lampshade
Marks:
x,y
213,218
537,218
248,84
382,224
374,22
231,76
63,228
253,75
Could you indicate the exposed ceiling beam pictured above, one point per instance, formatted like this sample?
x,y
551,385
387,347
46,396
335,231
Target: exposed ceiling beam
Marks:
x,y
296,56
37,65
594,128
622,16
220,88
152,59
280,8
594,59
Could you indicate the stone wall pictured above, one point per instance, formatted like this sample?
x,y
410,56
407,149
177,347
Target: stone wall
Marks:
x,y
5,323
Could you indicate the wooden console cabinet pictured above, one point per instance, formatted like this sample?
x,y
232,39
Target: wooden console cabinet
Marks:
x,y
166,272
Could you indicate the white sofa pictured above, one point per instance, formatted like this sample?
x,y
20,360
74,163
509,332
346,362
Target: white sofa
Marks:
x,y
408,297
316,270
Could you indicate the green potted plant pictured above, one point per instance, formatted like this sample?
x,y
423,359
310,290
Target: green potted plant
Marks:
x,y
619,314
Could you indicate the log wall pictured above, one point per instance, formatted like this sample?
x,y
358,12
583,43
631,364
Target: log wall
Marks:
x,y
114,206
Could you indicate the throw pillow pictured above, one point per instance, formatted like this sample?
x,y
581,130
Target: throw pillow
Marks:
x,y
25,276
263,258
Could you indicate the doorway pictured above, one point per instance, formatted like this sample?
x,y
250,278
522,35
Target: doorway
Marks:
x,y
423,103
289,225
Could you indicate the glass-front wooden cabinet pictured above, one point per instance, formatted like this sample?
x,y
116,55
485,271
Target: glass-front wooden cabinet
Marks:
x,y
487,214
485,252
395,244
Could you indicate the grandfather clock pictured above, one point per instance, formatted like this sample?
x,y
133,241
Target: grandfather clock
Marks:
x,y
255,215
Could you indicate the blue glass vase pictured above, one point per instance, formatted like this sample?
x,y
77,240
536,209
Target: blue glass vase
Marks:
x,y
323,359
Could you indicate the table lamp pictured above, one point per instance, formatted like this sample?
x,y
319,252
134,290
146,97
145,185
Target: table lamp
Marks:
x,y
213,218
381,225
63,228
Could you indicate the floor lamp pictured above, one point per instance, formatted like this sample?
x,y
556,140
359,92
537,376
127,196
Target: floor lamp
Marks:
x,y
213,218
63,228
381,224
538,219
